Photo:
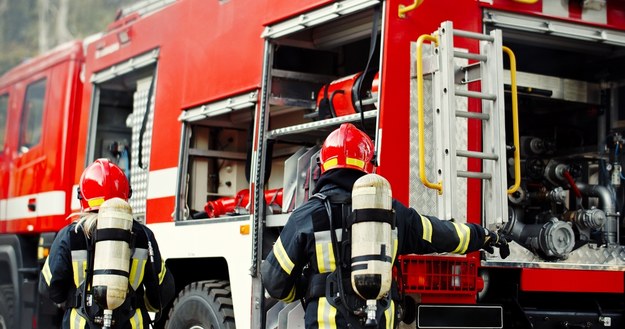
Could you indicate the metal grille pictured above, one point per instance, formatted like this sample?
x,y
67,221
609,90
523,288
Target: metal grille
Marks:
x,y
138,175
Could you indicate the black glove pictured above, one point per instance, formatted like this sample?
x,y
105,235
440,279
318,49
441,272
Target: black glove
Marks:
x,y
496,240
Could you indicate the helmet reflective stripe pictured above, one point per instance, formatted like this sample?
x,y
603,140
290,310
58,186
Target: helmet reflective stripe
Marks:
x,y
350,162
95,202
329,164
355,162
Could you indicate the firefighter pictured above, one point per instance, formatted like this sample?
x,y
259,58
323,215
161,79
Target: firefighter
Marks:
x,y
68,270
308,254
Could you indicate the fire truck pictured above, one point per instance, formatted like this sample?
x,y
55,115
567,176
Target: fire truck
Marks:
x,y
505,113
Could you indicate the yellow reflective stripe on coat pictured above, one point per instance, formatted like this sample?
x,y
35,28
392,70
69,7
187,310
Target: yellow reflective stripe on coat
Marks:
x,y
76,321
326,314
137,267
283,258
427,229
136,322
395,244
45,271
161,274
389,315
149,306
290,297
463,236
79,266
324,251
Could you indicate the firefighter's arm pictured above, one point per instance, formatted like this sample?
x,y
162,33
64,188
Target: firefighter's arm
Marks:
x,y
158,280
282,269
428,234
56,276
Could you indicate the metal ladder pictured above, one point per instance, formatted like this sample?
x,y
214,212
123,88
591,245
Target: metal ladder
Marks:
x,y
448,83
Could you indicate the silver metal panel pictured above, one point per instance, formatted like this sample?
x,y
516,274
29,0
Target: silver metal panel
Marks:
x,y
219,107
553,27
303,164
421,198
122,68
494,194
588,257
316,17
565,89
290,181
139,176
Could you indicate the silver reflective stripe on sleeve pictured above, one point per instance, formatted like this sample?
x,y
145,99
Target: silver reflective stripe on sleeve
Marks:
x,y
464,235
137,268
427,229
283,257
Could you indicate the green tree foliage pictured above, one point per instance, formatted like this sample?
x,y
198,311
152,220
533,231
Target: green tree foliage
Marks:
x,y
21,24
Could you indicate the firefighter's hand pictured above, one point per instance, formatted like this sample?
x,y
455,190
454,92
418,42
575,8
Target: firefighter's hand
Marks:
x,y
496,240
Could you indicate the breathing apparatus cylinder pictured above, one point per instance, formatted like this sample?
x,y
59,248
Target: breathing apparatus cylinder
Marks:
x,y
372,240
111,262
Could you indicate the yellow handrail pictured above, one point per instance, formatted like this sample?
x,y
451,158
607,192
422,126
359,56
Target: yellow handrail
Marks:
x,y
401,12
438,186
526,1
515,122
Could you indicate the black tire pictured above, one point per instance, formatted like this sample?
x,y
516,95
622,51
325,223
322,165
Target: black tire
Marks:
x,y
7,311
203,305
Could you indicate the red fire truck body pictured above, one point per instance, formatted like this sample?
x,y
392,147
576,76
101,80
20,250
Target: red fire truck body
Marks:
x,y
213,109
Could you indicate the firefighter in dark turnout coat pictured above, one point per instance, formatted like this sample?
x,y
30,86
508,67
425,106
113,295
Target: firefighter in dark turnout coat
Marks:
x,y
305,243
66,270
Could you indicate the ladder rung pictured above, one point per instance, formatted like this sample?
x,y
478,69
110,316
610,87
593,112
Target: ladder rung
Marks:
x,y
477,57
473,35
474,154
473,115
475,94
471,174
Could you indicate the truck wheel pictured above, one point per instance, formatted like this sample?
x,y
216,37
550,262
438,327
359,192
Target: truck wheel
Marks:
x,y
203,305
6,306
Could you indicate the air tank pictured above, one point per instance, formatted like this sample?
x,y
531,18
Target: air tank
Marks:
x,y
372,240
111,262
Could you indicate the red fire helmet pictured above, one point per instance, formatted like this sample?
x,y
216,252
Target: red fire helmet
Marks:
x,y
347,147
102,180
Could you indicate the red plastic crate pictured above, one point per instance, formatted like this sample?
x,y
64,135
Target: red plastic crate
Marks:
x,y
441,279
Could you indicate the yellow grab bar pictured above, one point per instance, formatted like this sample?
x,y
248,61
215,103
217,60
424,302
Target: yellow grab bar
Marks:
x,y
401,12
526,1
438,186
515,122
